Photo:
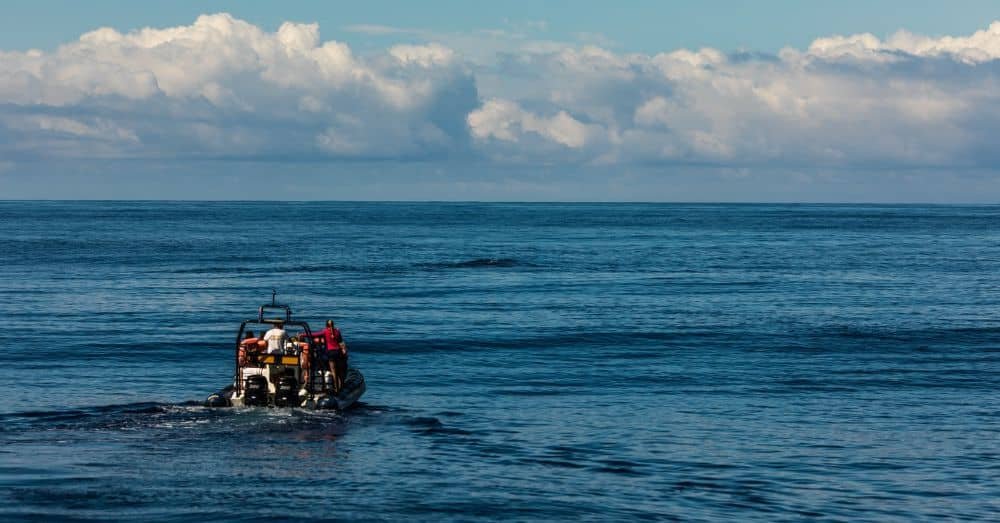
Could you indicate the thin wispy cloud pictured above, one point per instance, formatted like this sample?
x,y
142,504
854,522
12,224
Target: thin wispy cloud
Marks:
x,y
480,47
375,29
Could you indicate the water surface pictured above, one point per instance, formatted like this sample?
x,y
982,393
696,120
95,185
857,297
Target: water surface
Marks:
x,y
524,362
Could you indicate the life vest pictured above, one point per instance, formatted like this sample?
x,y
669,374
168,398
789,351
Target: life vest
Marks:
x,y
249,344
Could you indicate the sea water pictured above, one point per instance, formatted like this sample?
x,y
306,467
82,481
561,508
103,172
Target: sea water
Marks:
x,y
524,361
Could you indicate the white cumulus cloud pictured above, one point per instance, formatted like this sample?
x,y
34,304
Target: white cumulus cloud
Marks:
x,y
225,87
222,87
505,120
981,46
845,101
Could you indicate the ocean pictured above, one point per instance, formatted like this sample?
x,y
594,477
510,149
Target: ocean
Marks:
x,y
528,362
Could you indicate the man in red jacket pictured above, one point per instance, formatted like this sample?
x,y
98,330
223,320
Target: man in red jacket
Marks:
x,y
335,354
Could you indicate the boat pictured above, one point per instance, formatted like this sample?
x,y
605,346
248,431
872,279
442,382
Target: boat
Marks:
x,y
292,376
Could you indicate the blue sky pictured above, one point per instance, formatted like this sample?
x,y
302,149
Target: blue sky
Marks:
x,y
646,100
638,25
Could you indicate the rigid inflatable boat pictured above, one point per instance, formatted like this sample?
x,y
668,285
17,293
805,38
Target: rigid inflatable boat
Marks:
x,y
294,375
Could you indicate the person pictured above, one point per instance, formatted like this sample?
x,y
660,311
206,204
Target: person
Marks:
x,y
304,364
275,338
335,355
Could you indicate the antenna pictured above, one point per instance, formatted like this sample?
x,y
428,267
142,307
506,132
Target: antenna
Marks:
x,y
273,305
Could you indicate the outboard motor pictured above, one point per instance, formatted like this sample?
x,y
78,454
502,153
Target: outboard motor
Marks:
x,y
255,391
286,393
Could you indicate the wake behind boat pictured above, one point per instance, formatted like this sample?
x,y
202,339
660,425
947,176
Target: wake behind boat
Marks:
x,y
289,369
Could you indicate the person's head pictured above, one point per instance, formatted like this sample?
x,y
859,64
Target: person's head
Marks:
x,y
249,335
279,325
329,323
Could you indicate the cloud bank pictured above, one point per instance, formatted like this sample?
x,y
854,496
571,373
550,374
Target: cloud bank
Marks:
x,y
224,88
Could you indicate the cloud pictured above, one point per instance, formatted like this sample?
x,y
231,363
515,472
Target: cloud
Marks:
x,y
506,121
376,29
225,88
909,101
981,46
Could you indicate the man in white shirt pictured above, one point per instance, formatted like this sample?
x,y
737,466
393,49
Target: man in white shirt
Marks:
x,y
275,338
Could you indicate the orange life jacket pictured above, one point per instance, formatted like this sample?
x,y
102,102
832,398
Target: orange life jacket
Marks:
x,y
248,345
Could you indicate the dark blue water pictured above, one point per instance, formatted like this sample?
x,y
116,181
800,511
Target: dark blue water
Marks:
x,y
524,362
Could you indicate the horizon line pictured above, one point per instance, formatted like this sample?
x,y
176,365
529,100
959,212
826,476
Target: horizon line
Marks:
x,y
519,202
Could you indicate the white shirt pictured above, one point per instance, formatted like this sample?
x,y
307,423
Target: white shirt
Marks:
x,y
275,339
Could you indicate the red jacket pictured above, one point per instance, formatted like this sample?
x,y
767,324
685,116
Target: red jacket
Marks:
x,y
332,337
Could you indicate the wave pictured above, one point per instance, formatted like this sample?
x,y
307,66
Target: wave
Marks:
x,y
288,269
963,343
79,415
476,263
901,339
566,340
182,415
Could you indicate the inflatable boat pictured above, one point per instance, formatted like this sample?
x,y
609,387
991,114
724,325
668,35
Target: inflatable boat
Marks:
x,y
293,374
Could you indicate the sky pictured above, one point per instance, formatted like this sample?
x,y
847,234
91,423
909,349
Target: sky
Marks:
x,y
779,100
